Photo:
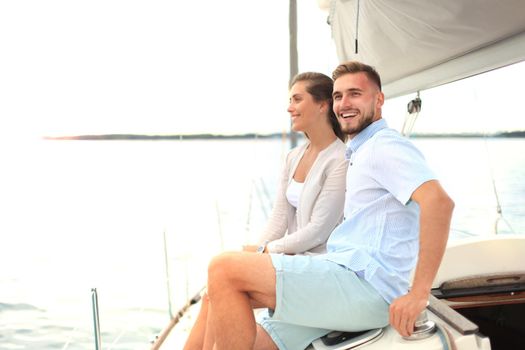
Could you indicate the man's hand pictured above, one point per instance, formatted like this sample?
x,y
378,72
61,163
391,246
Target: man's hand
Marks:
x,y
405,310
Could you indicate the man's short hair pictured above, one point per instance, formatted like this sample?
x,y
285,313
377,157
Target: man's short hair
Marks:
x,y
357,67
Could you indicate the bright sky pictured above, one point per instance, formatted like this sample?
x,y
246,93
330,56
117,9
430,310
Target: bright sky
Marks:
x,y
70,67
485,103
159,67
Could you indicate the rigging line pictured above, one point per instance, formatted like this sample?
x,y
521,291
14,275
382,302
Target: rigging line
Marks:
x,y
499,210
142,309
408,124
498,205
508,224
357,29
219,224
249,211
127,329
489,164
413,110
140,313
167,267
464,232
68,341
266,196
117,339
261,201
124,331
491,172
403,128
157,343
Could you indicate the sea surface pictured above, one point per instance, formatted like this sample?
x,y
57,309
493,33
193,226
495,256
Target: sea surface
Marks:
x,y
123,216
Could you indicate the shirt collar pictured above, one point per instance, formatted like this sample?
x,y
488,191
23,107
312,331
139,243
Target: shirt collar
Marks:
x,y
364,135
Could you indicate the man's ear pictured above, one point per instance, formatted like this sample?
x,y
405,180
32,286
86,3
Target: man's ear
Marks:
x,y
380,99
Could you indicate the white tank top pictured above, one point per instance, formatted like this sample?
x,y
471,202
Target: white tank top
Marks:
x,y
293,192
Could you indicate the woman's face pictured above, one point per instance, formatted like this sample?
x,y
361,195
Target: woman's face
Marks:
x,y
304,111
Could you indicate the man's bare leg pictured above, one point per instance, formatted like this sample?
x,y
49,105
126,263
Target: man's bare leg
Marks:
x,y
263,341
236,281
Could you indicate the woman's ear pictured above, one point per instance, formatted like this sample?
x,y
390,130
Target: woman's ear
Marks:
x,y
323,108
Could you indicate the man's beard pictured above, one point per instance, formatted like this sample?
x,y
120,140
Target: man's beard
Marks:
x,y
363,124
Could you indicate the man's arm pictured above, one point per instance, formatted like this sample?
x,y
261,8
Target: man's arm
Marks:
x,y
435,214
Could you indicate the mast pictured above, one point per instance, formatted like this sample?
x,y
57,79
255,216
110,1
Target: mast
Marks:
x,y
292,20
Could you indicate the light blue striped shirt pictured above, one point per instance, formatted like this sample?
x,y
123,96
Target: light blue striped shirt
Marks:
x,y
379,237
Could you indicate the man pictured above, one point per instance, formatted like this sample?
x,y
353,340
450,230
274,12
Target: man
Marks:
x,y
396,213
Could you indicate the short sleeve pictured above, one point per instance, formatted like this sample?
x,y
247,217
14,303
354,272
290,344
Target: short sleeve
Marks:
x,y
399,166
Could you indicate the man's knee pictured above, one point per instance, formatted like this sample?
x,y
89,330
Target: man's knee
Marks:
x,y
220,271
248,273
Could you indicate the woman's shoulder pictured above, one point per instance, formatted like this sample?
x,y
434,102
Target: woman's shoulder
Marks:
x,y
340,145
333,157
336,150
294,152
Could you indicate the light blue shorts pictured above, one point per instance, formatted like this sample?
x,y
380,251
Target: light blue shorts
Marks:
x,y
315,296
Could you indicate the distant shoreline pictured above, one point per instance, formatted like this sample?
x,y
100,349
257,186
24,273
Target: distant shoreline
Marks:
x,y
512,134
509,134
164,137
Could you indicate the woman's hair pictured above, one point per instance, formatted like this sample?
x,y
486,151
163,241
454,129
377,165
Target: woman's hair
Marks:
x,y
357,67
321,86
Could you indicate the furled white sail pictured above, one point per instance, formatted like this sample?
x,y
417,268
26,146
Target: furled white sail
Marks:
x,y
418,44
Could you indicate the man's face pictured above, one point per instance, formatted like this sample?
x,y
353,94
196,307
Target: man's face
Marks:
x,y
357,102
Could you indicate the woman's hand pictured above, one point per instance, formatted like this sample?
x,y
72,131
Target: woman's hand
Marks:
x,y
249,248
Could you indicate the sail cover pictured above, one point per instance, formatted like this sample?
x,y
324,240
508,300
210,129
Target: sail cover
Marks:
x,y
419,44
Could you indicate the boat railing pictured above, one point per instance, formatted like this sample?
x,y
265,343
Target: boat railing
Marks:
x,y
259,205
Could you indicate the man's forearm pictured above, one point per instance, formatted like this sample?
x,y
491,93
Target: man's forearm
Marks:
x,y
435,216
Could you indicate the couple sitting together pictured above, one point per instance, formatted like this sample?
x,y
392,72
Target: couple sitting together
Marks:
x,y
357,210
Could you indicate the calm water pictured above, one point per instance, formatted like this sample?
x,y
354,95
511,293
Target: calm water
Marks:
x,y
82,214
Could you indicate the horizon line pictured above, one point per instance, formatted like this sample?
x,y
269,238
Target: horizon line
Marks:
x,y
130,136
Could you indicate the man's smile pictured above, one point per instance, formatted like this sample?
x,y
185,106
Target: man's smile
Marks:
x,y
348,114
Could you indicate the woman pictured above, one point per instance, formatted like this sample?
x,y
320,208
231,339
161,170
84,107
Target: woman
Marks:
x,y
310,200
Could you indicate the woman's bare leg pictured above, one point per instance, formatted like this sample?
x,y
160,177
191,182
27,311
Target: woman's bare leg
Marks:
x,y
198,332
209,336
